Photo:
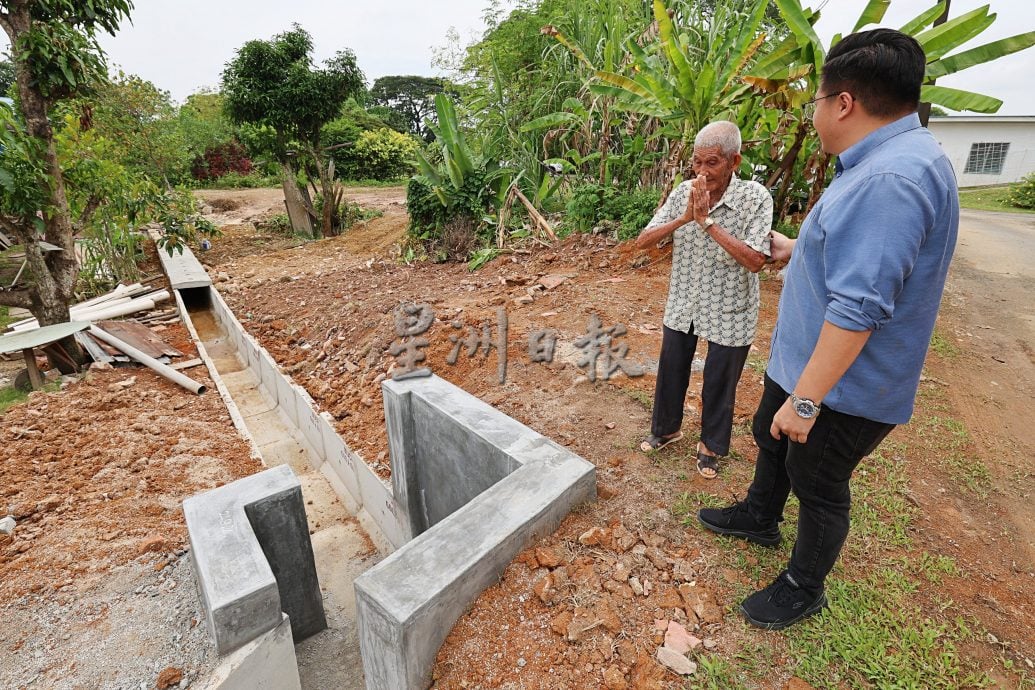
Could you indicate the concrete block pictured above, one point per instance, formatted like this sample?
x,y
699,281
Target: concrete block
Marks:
x,y
266,663
309,423
407,604
480,486
377,500
287,399
268,375
340,460
253,558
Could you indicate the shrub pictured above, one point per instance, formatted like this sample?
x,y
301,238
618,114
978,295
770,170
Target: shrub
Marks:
x,y
219,160
1022,194
591,204
385,154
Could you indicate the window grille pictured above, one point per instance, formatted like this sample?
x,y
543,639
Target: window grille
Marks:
x,y
986,158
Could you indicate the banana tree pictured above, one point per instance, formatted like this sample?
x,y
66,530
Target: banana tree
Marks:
x,y
789,75
686,74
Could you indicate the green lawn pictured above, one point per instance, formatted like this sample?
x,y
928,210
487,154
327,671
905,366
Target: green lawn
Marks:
x,y
989,199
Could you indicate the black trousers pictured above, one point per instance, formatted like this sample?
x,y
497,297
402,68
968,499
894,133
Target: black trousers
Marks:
x,y
722,369
818,471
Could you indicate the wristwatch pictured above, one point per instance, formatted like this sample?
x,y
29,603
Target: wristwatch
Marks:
x,y
805,408
708,222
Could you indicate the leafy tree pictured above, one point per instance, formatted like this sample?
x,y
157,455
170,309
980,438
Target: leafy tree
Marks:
x,y
6,75
274,83
141,122
56,57
412,96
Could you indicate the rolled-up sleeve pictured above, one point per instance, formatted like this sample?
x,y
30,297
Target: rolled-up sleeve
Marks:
x,y
871,246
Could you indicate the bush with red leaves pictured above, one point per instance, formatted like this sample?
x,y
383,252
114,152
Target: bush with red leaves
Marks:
x,y
220,160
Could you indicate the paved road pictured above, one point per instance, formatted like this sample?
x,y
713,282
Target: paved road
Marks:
x,y
995,264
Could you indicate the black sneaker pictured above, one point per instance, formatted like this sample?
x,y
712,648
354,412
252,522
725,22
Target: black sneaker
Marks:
x,y
736,521
781,604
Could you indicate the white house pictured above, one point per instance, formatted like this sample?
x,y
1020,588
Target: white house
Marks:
x,y
987,149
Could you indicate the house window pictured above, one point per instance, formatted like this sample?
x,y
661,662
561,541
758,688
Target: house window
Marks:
x,y
986,159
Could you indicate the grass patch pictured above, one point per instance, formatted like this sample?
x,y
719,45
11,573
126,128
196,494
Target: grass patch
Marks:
x,y
5,318
990,199
874,635
757,364
11,396
715,673
640,397
951,437
943,346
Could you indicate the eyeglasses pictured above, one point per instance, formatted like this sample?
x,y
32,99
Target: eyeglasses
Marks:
x,y
808,108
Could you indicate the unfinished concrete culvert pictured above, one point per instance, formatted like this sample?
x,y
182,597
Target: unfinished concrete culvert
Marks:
x,y
470,488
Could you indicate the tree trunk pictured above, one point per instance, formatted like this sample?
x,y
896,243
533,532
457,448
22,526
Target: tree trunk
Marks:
x,y
924,111
54,274
327,187
300,221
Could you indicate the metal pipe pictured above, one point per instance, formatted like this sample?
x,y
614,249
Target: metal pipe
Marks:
x,y
149,362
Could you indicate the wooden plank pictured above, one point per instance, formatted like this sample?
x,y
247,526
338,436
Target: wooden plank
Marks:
x,y
34,373
141,337
189,364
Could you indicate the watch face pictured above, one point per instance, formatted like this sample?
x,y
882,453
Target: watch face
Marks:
x,y
806,409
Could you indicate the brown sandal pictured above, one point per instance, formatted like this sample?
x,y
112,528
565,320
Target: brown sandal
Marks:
x,y
707,464
655,443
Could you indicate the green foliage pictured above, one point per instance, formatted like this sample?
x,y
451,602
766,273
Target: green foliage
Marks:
x,y
253,180
592,203
875,634
459,185
141,125
411,97
385,154
990,199
6,75
1022,194
274,83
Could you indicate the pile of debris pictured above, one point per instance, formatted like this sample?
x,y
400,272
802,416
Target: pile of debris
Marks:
x,y
109,342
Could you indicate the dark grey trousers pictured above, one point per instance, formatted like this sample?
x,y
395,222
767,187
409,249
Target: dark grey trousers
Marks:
x,y
722,369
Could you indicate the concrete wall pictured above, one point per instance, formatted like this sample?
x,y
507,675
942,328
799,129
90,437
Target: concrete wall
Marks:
x,y
265,663
957,133
476,520
253,558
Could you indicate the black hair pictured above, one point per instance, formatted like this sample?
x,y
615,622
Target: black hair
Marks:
x,y
882,68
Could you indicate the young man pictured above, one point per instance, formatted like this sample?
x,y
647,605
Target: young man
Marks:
x,y
721,229
858,307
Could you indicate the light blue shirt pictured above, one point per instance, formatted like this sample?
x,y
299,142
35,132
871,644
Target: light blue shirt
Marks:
x,y
872,255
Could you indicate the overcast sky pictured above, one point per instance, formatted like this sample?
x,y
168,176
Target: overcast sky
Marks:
x,y
182,45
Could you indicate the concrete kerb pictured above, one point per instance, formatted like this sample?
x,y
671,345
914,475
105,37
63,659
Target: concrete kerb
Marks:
x,y
253,558
265,663
408,603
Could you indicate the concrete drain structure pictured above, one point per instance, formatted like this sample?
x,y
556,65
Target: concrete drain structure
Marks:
x,y
470,488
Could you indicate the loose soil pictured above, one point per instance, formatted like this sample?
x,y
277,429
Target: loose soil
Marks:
x,y
565,613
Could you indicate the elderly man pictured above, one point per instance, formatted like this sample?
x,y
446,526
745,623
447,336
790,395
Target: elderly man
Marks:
x,y
858,307
720,225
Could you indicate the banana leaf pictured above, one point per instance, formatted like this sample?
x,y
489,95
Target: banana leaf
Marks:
x,y
923,19
939,40
799,23
672,47
955,99
872,14
979,55
550,121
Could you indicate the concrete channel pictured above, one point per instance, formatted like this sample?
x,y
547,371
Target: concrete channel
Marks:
x,y
397,564
343,550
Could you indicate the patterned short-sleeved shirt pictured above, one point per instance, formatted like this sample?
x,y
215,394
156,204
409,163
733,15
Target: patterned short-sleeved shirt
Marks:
x,y
708,289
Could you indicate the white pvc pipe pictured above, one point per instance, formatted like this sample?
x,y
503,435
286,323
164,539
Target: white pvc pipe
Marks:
x,y
103,311
149,362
